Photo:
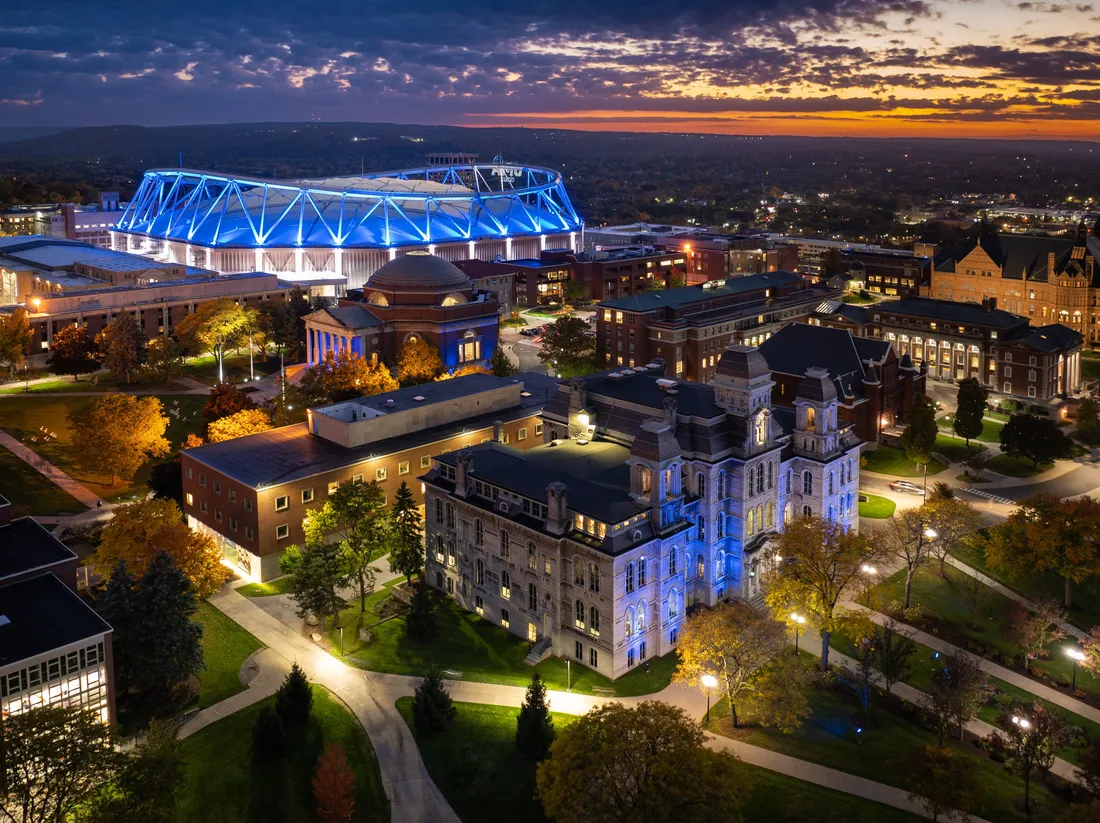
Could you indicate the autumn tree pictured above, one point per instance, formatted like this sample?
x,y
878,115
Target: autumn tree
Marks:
x,y
418,362
225,400
567,347
213,327
944,781
1032,631
316,572
500,364
334,786
919,437
1038,439
52,760
779,698
959,685
344,377
248,421
73,351
906,541
644,763
286,322
407,537
163,360
893,655
140,530
534,725
115,434
16,336
1029,738
977,461
1046,534
821,567
949,522
463,371
122,346
973,398
1091,663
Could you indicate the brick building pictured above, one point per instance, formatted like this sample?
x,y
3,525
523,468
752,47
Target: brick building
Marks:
x,y
886,272
690,327
252,493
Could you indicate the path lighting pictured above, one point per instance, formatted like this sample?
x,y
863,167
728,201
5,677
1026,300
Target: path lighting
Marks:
x,y
709,682
931,533
1022,722
867,569
799,621
1077,655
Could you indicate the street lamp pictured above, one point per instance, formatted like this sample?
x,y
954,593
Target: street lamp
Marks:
x,y
1077,655
867,569
709,682
1022,722
931,533
799,621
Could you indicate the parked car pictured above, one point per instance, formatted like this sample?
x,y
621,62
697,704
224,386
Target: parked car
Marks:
x,y
906,487
530,331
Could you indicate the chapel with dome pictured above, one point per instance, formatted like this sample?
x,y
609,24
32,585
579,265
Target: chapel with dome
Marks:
x,y
415,295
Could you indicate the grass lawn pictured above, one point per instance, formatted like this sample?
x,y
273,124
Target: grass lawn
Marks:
x,y
890,460
971,478
545,311
1002,417
476,767
28,491
991,429
480,651
881,755
1090,365
219,779
22,418
1016,466
280,585
954,448
225,647
856,300
205,368
105,382
876,507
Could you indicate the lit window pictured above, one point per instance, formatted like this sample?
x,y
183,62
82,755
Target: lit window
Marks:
x,y
504,618
403,467
521,434
190,499
380,475
332,487
425,461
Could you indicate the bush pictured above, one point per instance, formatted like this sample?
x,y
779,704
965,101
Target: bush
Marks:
x,y
420,624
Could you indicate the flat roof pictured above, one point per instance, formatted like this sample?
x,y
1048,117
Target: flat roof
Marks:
x,y
25,544
44,615
675,298
425,394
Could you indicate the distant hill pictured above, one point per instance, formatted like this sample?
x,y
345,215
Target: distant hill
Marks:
x,y
10,134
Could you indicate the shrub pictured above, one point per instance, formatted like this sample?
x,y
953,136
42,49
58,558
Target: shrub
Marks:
x,y
433,709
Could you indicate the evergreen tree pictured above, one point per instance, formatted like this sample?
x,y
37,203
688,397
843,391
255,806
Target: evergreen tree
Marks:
x,y
407,544
171,642
500,365
120,609
433,709
268,737
316,571
146,789
534,726
420,624
920,432
1088,423
294,700
269,795
972,401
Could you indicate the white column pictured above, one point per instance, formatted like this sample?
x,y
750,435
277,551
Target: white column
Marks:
x,y
338,260
208,256
309,345
259,260
298,260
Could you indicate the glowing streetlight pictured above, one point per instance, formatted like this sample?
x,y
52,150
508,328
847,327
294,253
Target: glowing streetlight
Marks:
x,y
709,682
867,569
1022,722
931,533
1077,655
799,621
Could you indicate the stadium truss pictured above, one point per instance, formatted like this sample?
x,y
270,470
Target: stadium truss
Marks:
x,y
414,207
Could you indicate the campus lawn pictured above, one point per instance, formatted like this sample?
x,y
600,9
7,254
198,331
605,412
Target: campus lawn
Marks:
x,y
104,382
280,585
1090,364
219,780
468,647
22,418
890,460
954,448
876,507
991,429
1016,466
826,737
225,647
29,492
235,366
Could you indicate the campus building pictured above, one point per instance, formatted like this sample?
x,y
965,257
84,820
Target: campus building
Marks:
x,y
648,496
252,493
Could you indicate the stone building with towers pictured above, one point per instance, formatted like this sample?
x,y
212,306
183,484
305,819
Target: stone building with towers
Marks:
x,y
648,495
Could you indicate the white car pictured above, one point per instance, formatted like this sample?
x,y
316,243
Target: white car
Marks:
x,y
906,487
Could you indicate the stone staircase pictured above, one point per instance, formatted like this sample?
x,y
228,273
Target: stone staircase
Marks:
x,y
539,652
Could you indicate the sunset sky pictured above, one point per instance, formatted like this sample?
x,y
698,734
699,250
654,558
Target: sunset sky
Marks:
x,y
820,67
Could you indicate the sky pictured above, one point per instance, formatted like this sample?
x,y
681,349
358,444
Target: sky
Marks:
x,y
979,68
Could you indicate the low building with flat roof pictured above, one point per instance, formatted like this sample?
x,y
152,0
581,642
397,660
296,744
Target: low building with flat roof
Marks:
x,y
27,549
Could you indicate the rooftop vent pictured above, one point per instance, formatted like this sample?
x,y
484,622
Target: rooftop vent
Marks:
x,y
652,365
615,376
389,402
417,399
666,384
628,372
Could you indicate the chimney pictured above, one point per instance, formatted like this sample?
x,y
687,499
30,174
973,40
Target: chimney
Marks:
x,y
557,514
993,304
464,467
669,404
498,431
985,303
1050,265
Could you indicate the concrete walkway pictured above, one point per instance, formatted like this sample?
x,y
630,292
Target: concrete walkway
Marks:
x,y
49,471
273,667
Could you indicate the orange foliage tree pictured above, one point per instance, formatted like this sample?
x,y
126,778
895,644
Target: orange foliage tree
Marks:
x,y
334,786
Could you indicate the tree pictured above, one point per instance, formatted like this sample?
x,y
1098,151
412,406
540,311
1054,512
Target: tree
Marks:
x,y
356,515
944,781
115,434
1089,772
974,594
122,346
285,322
463,371
645,763
73,351
121,609
860,677
294,700
575,292
316,573
146,788
163,360
269,795
420,623
977,461
973,400
170,641
166,481
241,424
959,685
1046,534
1088,421
779,697
906,540
948,522
1033,631
141,530
567,347
919,437
344,377
334,786
226,400
16,336
1037,439
893,653
500,364
212,327
407,537
821,566
268,737
729,641
1029,738
433,709
418,362
53,761
534,725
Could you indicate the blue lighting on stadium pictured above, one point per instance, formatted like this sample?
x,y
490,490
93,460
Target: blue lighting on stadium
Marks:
x,y
414,207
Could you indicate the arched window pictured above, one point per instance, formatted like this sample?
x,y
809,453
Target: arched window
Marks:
x,y
593,578
760,480
790,476
807,511
532,597
505,585
701,566
830,512
378,299
849,470
439,580
849,501
505,544
639,621
628,622
479,571
842,474
787,512
701,484
641,571
594,621
752,480
479,533
831,474
578,614
720,524
450,516
532,555
807,482
811,415
720,566
701,528
760,517
465,585
750,522
450,552
769,514
673,604
672,562
647,480
629,578
771,469
578,572
722,485
439,511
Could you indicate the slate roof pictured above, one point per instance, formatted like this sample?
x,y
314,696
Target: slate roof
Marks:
x,y
1022,256
1052,338
45,614
948,311
350,317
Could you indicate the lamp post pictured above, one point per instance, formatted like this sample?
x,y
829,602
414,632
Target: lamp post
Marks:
x,y
799,621
868,569
710,682
1077,656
